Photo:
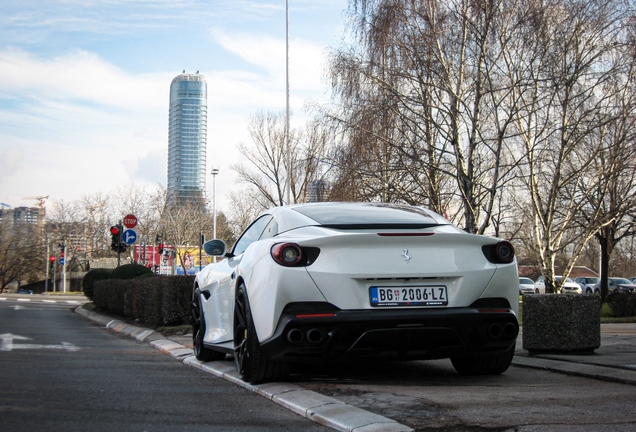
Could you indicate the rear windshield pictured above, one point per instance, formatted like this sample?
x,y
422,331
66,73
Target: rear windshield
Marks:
x,y
369,216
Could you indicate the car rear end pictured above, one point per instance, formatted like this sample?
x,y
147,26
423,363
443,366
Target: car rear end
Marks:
x,y
403,292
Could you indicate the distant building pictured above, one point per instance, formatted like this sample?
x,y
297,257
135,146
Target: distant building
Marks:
x,y
22,216
187,139
318,191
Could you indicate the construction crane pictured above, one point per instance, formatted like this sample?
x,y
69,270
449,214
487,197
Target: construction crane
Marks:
x,y
39,199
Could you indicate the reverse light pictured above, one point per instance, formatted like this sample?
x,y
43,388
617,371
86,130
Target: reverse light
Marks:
x,y
287,254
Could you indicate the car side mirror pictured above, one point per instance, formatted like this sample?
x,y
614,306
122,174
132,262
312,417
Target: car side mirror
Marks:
x,y
215,248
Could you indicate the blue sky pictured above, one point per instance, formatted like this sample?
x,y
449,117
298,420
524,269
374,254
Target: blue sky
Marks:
x,y
84,84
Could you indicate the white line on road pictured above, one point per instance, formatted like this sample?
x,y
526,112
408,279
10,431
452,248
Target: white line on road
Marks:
x,y
8,345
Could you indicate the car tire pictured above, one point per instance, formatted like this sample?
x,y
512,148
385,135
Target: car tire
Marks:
x,y
251,364
201,352
536,291
588,291
489,364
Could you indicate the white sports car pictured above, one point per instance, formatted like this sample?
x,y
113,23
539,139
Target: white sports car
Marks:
x,y
332,282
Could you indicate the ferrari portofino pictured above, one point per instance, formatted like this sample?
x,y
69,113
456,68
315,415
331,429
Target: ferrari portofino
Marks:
x,y
332,282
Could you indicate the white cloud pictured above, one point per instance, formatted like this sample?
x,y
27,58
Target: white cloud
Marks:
x,y
73,121
268,53
79,76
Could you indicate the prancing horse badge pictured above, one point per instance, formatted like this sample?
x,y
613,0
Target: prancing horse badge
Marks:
x,y
406,255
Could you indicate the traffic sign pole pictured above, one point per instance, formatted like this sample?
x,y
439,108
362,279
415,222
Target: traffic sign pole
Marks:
x,y
64,267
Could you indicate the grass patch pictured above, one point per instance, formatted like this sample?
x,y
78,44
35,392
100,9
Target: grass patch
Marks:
x,y
64,293
88,306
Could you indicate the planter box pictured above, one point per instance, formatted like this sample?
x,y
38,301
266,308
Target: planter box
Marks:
x,y
561,323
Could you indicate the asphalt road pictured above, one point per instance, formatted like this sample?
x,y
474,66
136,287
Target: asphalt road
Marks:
x,y
61,372
431,396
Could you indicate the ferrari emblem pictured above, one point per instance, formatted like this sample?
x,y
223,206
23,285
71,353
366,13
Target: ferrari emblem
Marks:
x,y
406,255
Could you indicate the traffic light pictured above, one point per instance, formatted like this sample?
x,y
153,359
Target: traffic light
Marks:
x,y
52,261
160,248
115,234
115,238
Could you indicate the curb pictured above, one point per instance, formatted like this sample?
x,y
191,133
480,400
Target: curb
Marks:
x,y
314,406
603,373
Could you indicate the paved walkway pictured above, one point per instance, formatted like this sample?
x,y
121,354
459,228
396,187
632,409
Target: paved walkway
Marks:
x,y
614,361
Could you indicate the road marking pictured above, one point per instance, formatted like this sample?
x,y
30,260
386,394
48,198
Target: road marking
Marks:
x,y
18,307
24,300
8,345
3,298
72,302
49,301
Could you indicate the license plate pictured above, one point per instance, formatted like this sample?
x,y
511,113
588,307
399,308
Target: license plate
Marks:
x,y
408,296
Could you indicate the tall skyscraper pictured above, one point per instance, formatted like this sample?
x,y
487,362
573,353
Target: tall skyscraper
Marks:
x,y
187,139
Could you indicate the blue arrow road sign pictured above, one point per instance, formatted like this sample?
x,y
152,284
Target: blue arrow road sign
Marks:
x,y
129,236
61,261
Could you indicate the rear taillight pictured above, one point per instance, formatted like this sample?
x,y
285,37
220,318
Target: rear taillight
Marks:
x,y
504,251
287,254
501,253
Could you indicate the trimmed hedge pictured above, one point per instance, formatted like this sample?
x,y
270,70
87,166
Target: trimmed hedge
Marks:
x,y
131,271
622,304
156,301
91,277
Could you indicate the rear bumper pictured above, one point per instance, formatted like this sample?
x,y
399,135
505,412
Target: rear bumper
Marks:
x,y
430,333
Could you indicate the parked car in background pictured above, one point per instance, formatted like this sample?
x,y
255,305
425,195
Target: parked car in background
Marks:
x,y
633,279
24,291
526,286
615,284
587,284
570,287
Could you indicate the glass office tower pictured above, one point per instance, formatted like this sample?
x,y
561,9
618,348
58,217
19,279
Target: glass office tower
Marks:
x,y
187,139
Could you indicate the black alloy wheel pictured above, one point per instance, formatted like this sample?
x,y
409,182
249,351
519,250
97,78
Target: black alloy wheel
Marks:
x,y
252,366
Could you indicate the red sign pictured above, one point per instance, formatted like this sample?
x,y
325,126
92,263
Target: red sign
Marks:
x,y
130,221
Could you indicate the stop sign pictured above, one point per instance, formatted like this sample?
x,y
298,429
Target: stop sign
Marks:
x,y
130,221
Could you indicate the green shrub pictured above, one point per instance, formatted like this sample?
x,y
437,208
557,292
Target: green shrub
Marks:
x,y
130,271
89,279
622,304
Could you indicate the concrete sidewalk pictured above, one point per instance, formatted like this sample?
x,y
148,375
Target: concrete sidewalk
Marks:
x,y
614,361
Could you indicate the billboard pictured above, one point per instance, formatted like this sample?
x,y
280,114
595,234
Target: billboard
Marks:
x,y
170,261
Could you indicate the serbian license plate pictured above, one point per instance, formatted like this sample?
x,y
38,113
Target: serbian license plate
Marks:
x,y
408,296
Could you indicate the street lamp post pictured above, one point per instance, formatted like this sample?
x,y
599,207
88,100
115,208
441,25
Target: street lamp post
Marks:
x,y
215,171
287,145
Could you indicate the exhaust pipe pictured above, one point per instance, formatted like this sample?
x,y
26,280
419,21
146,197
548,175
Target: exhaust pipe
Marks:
x,y
495,330
315,336
294,336
509,330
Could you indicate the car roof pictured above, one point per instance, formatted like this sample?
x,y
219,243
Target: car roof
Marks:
x,y
355,216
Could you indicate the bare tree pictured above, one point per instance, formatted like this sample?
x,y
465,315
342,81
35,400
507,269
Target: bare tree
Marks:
x,y
422,103
22,253
571,50
182,225
267,157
